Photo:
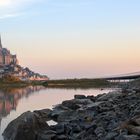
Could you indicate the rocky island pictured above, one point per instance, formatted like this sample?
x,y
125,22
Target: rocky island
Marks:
x,y
112,116
9,66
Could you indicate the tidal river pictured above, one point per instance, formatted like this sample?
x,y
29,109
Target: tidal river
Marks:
x,y
13,102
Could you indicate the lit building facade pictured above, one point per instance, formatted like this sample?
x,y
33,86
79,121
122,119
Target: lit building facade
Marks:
x,y
6,58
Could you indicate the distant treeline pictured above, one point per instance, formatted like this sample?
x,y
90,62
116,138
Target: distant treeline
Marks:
x,y
77,83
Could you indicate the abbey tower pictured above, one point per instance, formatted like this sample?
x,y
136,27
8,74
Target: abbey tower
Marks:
x,y
9,66
6,58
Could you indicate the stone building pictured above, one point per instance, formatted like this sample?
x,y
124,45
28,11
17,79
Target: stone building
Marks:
x,y
9,66
6,58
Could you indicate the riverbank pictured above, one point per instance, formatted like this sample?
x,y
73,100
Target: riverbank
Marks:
x,y
109,116
77,83
66,83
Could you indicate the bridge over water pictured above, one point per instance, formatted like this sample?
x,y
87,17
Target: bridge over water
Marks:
x,y
128,76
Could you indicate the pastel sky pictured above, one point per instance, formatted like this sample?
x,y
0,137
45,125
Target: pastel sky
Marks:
x,y
73,38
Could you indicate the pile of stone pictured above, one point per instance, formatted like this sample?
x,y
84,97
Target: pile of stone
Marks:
x,y
112,116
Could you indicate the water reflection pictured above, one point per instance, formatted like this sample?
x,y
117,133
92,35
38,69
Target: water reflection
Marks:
x,y
13,102
9,98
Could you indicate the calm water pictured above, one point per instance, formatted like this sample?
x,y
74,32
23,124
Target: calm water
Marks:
x,y
13,102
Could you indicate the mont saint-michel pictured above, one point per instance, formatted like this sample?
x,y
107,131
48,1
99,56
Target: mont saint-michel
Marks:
x,y
9,66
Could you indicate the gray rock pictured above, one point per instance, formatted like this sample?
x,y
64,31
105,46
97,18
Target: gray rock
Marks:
x,y
92,105
83,101
24,127
127,137
133,129
59,128
137,90
77,103
111,95
79,96
71,104
136,120
46,135
57,111
67,116
44,114
111,135
92,98
99,131
62,137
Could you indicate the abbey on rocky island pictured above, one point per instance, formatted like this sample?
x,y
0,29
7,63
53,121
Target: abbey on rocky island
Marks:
x,y
6,58
9,66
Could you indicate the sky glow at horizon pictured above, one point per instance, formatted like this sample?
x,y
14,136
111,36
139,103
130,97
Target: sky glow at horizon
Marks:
x,y
73,38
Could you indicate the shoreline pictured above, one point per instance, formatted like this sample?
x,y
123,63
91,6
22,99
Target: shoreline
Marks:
x,y
114,115
67,83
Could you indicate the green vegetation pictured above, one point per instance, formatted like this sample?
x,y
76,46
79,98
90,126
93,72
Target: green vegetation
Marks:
x,y
77,83
12,81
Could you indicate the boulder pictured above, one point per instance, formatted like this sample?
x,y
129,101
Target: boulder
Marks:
x,y
79,97
71,104
59,128
44,114
133,129
25,127
62,137
111,135
46,135
127,137
99,131
111,95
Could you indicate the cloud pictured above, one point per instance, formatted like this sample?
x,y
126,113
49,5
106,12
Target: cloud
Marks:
x,y
14,8
9,3
11,15
5,2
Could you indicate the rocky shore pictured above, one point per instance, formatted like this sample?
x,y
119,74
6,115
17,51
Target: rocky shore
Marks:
x,y
112,116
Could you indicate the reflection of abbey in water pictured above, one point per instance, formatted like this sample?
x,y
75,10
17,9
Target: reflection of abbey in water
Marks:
x,y
9,98
9,66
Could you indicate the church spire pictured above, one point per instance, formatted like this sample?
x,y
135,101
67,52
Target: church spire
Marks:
x,y
0,42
